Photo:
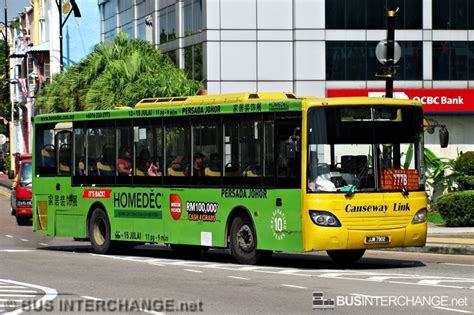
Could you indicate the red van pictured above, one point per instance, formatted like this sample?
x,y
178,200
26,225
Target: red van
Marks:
x,y
21,198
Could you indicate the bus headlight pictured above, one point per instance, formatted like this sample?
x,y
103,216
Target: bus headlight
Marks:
x,y
324,218
420,216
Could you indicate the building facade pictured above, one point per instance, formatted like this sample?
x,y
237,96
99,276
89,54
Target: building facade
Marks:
x,y
34,58
316,47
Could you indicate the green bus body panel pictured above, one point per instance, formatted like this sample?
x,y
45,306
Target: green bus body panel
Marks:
x,y
191,110
143,214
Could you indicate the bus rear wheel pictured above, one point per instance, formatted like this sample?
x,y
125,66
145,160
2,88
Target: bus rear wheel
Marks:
x,y
243,242
99,232
22,220
347,256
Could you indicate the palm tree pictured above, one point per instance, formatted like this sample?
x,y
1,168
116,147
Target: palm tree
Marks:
x,y
119,73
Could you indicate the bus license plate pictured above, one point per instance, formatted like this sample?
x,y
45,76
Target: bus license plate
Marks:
x,y
377,239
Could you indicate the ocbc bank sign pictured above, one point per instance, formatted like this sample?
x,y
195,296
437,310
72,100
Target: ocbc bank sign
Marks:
x,y
435,101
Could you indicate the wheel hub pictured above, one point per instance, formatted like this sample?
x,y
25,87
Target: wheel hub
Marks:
x,y
99,232
245,239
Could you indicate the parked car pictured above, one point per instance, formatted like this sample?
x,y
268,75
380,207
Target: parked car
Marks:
x,y
21,198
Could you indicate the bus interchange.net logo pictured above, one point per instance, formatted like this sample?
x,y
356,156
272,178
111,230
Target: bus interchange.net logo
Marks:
x,y
127,306
360,300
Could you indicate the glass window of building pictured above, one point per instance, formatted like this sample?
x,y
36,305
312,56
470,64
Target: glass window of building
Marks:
x,y
453,14
109,20
355,60
167,23
145,19
451,60
192,16
471,61
173,55
371,14
126,12
193,62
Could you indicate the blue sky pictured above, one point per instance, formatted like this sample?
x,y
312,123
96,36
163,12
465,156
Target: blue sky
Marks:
x,y
13,6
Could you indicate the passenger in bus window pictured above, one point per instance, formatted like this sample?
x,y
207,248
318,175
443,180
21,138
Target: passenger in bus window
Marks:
x,y
143,163
214,167
198,165
176,167
124,162
154,169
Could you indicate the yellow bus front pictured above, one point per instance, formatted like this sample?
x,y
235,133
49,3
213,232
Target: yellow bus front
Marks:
x,y
363,174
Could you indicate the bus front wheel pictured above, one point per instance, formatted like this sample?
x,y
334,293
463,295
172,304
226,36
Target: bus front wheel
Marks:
x,y
99,231
347,256
243,245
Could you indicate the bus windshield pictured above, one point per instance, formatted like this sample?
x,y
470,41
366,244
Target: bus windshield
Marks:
x,y
26,174
365,148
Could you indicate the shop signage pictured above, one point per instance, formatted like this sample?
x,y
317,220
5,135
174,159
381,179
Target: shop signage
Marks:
x,y
435,101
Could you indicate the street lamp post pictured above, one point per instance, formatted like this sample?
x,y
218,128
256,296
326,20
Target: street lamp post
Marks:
x,y
77,13
391,12
7,60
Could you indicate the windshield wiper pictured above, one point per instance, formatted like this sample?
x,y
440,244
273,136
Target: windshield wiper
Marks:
x,y
405,191
351,191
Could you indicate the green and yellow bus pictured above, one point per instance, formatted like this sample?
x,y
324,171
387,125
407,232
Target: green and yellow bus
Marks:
x,y
252,172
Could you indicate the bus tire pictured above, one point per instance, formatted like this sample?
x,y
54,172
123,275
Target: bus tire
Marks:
x,y
99,231
346,256
22,220
243,241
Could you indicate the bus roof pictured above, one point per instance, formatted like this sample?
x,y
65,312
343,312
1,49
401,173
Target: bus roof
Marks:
x,y
237,103
214,99
359,100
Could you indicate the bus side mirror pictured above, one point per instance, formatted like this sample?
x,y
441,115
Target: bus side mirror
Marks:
x,y
11,174
443,137
292,147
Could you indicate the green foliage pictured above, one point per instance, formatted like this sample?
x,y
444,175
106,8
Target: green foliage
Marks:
x,y
465,182
457,208
464,165
439,174
436,218
119,73
5,109
7,160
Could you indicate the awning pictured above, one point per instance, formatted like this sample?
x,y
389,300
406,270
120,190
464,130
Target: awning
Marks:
x,y
18,54
43,47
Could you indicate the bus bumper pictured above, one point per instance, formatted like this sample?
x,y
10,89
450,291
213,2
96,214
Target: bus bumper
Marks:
x,y
333,238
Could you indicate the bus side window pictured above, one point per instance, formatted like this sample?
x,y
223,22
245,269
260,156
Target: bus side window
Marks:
x,y
45,154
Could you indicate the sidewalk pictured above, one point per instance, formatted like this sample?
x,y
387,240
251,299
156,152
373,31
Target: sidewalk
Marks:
x,y
441,240
5,182
449,240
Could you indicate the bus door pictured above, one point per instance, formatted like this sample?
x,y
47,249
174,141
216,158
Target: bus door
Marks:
x,y
53,192
285,217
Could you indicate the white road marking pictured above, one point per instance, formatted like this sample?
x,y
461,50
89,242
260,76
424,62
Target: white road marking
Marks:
x,y
9,236
239,278
19,291
48,294
91,298
347,274
12,287
250,268
432,281
192,270
452,309
16,250
4,300
152,312
452,264
293,286
437,285
43,244
24,240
